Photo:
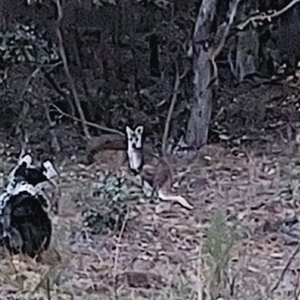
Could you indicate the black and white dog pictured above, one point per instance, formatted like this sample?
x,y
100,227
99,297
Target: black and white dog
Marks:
x,y
25,226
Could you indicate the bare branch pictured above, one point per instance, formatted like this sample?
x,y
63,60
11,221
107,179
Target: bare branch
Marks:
x,y
178,77
216,52
227,29
170,112
25,108
88,123
55,145
263,16
68,74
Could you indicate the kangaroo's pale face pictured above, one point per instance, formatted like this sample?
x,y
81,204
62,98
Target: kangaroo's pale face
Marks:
x,y
134,147
134,137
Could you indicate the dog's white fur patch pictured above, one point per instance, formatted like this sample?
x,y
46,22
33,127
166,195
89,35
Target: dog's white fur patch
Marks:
x,y
50,171
27,159
14,188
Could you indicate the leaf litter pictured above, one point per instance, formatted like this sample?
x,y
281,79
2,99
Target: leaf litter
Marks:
x,y
173,253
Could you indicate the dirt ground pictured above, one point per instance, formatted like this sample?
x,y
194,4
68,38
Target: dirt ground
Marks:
x,y
171,252
160,255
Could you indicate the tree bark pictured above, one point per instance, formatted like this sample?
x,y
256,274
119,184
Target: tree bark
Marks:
x,y
247,48
198,124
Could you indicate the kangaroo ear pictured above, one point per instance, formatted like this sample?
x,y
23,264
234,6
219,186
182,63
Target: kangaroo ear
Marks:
x,y
129,132
139,130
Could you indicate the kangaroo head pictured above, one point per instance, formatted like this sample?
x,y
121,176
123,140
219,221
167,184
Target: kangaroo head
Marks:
x,y
134,148
134,137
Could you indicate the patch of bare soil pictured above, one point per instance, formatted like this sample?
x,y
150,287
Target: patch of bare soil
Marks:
x,y
161,255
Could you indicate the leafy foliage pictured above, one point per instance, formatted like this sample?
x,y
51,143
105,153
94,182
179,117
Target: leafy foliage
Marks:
x,y
24,44
110,208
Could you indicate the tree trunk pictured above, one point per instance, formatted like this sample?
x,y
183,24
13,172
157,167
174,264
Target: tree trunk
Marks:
x,y
247,48
198,124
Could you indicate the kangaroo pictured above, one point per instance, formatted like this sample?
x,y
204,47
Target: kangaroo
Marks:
x,y
134,149
157,176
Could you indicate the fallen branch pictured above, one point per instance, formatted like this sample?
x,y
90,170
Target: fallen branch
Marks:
x,y
111,130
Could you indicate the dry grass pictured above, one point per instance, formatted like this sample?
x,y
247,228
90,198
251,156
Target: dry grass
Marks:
x,y
229,246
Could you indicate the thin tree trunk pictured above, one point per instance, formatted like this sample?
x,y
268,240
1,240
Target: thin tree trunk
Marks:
x,y
198,124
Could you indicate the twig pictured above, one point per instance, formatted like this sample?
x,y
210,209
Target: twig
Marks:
x,y
55,145
111,130
286,267
68,74
171,109
219,48
25,108
263,16
227,29
33,74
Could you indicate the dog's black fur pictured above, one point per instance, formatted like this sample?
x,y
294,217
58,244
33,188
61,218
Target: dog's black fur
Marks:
x,y
25,226
31,221
30,175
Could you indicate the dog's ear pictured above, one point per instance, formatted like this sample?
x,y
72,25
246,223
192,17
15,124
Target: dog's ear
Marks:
x,y
129,132
139,130
27,159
